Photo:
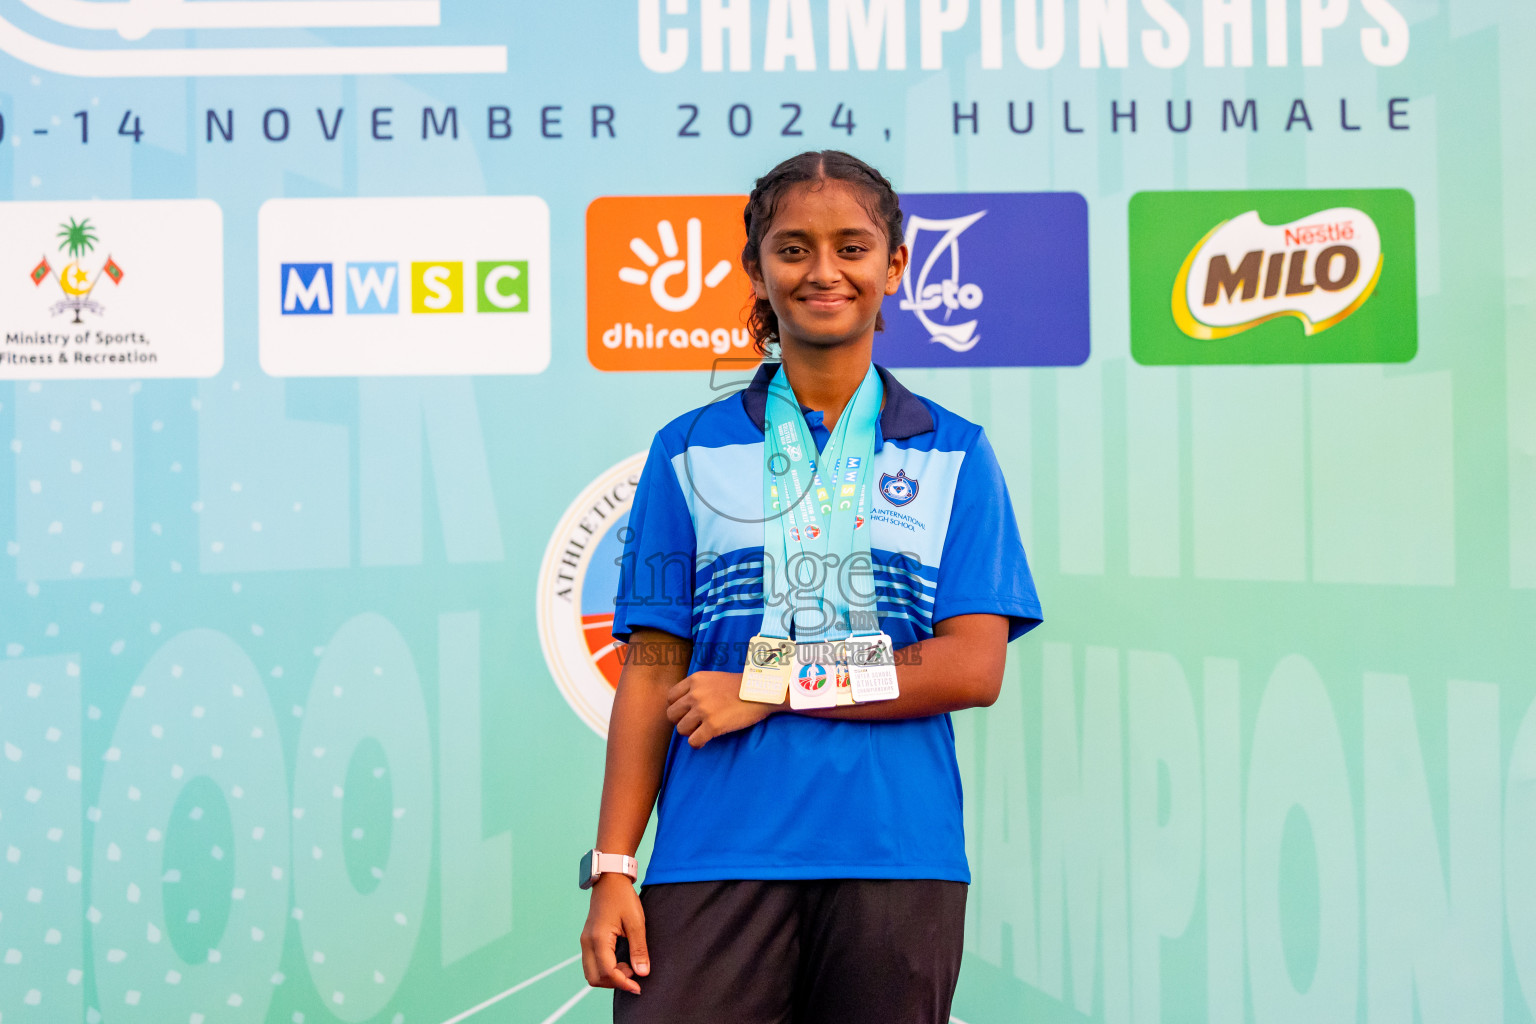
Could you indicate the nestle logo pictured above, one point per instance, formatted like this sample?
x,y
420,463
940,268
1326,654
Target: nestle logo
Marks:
x,y
1316,234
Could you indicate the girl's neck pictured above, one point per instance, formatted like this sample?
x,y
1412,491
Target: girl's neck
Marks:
x,y
825,378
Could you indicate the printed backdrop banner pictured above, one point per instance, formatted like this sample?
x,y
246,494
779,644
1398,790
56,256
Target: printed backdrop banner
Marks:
x,y
330,337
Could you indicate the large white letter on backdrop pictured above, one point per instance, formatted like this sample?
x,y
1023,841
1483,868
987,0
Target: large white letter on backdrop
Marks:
x,y
717,20
1165,858
41,897
475,871
1422,937
1102,24
936,18
1297,766
362,808
393,415
1166,46
790,34
1219,16
1082,831
1052,42
189,884
864,23
653,54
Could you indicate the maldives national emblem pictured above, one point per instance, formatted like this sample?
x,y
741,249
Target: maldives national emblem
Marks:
x,y
76,283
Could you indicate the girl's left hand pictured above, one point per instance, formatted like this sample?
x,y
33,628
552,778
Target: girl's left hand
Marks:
x,y
708,704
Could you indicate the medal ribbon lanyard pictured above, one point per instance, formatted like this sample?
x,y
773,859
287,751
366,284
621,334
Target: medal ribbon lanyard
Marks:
x,y
812,506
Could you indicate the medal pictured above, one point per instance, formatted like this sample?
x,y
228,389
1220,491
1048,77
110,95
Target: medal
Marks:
x,y
844,685
814,686
770,664
872,668
813,513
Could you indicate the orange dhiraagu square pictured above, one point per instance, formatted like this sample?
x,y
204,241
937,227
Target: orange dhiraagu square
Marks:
x,y
665,288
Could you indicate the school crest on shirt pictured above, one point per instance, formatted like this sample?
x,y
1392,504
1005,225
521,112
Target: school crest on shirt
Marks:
x,y
577,581
900,489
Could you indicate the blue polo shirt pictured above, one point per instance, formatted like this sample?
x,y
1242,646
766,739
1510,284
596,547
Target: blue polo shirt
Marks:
x,y
796,796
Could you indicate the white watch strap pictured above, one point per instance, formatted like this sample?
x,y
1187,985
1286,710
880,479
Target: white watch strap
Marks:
x,y
619,863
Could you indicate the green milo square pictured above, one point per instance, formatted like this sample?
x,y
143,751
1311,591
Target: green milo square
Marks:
x,y
1295,276
502,286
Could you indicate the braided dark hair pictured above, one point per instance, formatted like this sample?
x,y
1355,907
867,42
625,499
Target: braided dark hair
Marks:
x,y
827,165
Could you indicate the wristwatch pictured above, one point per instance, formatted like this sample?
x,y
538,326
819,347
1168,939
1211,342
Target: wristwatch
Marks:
x,y
595,865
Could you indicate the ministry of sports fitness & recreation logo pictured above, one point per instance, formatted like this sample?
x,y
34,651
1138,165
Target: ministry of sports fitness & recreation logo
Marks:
x,y
77,283
1323,276
115,288
577,584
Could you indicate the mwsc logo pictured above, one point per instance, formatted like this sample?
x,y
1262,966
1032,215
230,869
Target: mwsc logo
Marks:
x,y
331,306
1273,277
373,288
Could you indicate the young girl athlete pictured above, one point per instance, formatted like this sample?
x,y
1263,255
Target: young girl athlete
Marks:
x,y
809,863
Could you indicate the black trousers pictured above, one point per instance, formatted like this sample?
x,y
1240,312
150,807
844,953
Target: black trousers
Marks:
x,y
840,951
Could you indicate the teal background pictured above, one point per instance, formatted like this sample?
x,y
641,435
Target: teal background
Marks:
x,y
1272,756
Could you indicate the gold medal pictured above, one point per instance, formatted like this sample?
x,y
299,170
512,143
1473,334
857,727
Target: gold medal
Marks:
x,y
770,666
844,684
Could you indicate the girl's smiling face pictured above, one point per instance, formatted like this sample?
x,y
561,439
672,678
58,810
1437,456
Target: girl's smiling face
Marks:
x,y
825,265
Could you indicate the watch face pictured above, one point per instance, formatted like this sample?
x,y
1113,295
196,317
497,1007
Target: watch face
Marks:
x,y
584,872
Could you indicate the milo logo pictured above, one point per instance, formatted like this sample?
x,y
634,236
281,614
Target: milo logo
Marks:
x,y
1273,277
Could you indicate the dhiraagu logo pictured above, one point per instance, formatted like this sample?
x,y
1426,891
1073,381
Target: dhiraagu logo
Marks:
x,y
1273,277
406,269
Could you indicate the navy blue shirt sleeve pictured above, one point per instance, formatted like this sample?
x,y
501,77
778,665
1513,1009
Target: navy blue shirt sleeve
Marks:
x,y
657,568
983,568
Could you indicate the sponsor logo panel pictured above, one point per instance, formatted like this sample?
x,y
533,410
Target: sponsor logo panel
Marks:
x,y
1305,276
404,286
996,279
111,289
665,288
578,580
993,279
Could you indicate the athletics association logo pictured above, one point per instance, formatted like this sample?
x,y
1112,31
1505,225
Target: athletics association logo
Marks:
x,y
992,279
900,489
77,239
1317,276
577,583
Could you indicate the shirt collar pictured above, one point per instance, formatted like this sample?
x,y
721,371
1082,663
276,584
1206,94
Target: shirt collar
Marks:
x,y
904,414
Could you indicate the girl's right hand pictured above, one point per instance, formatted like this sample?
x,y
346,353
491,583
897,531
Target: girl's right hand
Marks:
x,y
615,911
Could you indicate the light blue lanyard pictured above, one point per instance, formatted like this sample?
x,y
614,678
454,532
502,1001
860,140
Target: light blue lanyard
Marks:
x,y
814,510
